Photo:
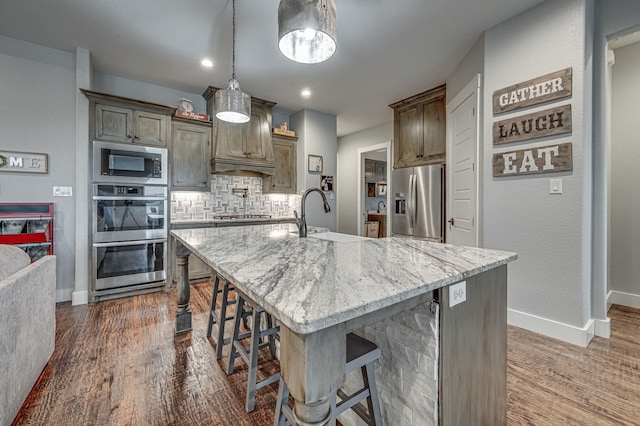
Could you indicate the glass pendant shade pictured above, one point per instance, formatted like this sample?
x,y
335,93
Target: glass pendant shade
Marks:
x,y
233,105
307,30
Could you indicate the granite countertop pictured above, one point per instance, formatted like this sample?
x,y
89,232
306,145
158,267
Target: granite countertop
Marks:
x,y
310,284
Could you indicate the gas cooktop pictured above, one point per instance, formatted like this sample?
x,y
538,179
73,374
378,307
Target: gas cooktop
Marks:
x,y
242,216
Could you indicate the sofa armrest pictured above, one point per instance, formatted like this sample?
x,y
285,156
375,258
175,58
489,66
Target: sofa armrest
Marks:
x,y
27,331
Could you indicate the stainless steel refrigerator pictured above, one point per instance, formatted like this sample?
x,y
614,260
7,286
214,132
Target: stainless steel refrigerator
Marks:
x,y
418,202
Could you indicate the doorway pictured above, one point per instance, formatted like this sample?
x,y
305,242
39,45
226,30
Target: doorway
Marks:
x,y
374,173
623,203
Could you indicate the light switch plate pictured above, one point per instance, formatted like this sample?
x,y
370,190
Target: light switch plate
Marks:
x,y
457,293
555,186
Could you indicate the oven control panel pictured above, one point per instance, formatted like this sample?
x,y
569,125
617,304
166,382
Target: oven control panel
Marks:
x,y
106,190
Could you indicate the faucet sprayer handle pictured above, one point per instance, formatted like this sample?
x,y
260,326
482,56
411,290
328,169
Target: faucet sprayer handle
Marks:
x,y
295,213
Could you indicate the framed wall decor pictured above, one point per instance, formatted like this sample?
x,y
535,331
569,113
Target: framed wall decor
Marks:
x,y
24,162
315,163
326,183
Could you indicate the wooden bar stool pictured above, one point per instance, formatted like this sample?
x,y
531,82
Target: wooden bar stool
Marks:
x,y
222,317
250,354
361,353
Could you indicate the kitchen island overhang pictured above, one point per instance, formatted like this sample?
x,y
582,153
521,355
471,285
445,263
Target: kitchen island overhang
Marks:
x,y
319,290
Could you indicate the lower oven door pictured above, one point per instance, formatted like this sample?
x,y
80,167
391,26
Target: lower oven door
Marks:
x,y
121,264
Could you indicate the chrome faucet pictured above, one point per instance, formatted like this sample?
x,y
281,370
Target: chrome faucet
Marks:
x,y
301,222
383,205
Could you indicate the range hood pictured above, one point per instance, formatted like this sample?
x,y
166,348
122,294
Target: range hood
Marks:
x,y
236,169
242,149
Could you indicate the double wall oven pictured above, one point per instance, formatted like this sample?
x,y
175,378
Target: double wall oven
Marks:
x,y
128,218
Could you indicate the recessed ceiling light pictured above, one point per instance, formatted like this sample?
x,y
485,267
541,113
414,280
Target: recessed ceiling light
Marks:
x,y
206,63
306,93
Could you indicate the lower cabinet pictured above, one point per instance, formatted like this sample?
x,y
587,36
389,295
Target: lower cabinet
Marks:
x,y
284,180
189,155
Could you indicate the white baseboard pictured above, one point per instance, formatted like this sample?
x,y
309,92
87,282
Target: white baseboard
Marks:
x,y
63,294
557,330
625,299
602,327
80,298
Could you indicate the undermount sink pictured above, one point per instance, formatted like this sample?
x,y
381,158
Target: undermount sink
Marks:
x,y
337,237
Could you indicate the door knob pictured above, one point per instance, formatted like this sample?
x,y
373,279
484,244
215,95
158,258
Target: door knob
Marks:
x,y
451,222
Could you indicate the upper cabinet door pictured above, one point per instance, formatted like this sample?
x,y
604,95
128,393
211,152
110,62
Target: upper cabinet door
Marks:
x,y
114,124
150,128
257,136
189,154
434,129
408,136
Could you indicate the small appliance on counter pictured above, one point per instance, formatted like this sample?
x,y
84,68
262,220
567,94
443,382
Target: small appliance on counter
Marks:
x,y
418,202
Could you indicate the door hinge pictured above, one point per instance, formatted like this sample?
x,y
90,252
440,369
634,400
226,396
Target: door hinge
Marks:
x,y
473,222
473,167
474,111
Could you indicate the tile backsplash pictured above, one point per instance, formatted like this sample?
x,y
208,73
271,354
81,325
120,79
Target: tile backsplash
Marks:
x,y
222,201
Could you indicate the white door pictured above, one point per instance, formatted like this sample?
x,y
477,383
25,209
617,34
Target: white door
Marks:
x,y
462,170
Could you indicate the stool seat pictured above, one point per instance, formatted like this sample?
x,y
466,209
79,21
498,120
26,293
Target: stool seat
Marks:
x,y
361,353
250,354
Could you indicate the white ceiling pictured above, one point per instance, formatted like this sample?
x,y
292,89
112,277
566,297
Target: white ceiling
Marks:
x,y
387,49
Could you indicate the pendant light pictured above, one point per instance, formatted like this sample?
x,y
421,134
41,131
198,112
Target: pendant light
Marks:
x,y
232,104
307,30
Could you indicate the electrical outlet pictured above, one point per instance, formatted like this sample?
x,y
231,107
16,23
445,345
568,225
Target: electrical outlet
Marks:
x,y
62,191
457,293
555,186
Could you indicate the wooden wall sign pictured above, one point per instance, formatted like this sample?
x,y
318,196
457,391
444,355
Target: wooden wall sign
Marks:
x,y
553,121
546,159
549,87
25,162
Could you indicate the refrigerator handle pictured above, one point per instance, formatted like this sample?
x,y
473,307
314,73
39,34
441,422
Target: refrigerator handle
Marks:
x,y
410,201
414,197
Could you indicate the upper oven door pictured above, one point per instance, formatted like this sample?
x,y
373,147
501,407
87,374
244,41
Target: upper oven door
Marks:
x,y
122,163
127,213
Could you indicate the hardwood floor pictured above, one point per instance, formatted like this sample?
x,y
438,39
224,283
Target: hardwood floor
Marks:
x,y
119,363
550,382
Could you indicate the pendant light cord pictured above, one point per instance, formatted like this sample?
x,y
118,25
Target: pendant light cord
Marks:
x,y
233,47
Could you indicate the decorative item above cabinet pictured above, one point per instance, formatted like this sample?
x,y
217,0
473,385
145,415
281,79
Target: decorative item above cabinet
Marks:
x,y
419,129
242,149
118,119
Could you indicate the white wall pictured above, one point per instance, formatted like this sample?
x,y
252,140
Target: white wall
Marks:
x,y
141,91
316,132
625,174
348,171
470,66
550,283
612,18
38,114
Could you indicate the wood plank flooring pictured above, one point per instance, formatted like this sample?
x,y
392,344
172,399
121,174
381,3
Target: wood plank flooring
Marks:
x,y
119,363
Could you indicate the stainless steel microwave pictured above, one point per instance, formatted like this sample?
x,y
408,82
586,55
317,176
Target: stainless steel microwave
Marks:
x,y
123,163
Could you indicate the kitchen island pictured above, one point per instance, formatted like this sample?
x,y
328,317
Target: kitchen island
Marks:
x,y
319,289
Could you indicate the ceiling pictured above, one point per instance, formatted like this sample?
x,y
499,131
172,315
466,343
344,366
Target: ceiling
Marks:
x,y
387,49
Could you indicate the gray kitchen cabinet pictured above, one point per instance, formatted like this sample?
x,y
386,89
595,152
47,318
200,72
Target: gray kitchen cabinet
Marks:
x,y
375,171
244,146
190,149
419,129
381,171
284,180
369,170
124,120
